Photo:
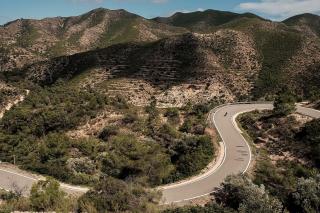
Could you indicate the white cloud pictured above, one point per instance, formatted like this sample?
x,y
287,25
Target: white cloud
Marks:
x,y
279,9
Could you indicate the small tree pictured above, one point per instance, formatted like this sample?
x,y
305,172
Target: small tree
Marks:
x,y
311,134
113,195
240,193
173,115
108,132
153,117
46,195
307,196
284,104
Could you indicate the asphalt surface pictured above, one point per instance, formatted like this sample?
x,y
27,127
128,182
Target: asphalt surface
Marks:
x,y
13,179
236,160
237,154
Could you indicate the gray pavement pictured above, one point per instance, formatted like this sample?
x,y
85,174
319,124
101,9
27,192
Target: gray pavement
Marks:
x,y
237,153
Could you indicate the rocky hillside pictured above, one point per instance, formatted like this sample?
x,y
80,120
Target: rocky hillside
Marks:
x,y
24,41
190,67
227,56
308,21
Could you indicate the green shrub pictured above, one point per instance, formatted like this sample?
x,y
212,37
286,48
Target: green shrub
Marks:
x,y
46,196
186,126
311,135
173,115
210,207
240,193
112,195
284,104
108,132
130,118
191,155
306,197
276,48
129,158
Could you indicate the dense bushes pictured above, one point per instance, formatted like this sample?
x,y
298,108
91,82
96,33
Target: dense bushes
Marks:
x,y
32,131
108,132
311,135
173,115
306,197
128,158
240,193
284,104
275,48
191,155
208,208
44,196
190,150
49,156
50,110
112,195
140,149
237,194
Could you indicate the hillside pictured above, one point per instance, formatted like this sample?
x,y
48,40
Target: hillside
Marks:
x,y
205,21
24,41
119,103
310,21
240,57
190,67
244,59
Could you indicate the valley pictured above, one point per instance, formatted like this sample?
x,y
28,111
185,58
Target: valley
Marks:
x,y
118,105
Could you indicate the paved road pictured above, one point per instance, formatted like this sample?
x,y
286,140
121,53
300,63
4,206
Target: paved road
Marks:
x,y
12,179
236,160
237,154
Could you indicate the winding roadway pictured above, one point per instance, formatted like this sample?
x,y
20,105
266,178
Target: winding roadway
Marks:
x,y
237,153
236,159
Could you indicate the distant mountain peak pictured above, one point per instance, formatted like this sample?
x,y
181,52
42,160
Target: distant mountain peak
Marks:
x,y
203,20
307,19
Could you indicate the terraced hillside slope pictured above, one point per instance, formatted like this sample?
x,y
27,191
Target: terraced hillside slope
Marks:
x,y
227,55
24,40
248,59
190,67
288,51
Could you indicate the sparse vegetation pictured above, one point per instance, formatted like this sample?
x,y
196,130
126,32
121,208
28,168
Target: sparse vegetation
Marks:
x,y
277,138
28,36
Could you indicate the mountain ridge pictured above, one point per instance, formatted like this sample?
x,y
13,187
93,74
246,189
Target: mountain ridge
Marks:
x,y
240,51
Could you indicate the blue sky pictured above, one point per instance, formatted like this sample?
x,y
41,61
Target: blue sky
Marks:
x,y
272,9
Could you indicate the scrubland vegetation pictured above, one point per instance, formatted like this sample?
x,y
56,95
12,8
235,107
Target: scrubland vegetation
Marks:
x,y
287,161
149,147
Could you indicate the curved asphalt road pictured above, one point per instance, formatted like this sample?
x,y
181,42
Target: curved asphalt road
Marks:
x,y
237,157
13,179
237,154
